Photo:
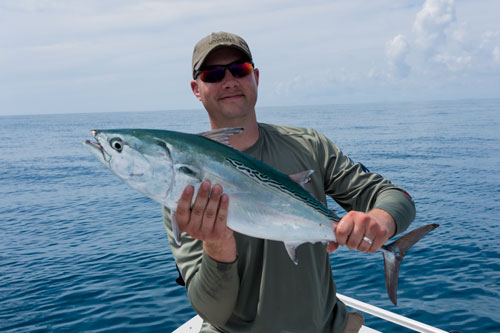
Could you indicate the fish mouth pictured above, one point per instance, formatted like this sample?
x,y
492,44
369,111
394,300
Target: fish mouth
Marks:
x,y
95,148
94,144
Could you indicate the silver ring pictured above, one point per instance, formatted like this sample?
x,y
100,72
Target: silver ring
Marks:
x,y
368,240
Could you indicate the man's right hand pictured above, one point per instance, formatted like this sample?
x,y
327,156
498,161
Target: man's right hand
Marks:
x,y
206,221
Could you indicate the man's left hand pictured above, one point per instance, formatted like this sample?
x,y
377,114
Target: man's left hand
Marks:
x,y
365,232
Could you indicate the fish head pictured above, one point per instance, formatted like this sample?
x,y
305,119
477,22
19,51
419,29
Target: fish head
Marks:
x,y
142,160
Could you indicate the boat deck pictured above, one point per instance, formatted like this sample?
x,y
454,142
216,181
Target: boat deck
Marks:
x,y
194,325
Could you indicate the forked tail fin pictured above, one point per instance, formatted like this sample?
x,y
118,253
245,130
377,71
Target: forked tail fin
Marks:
x,y
394,254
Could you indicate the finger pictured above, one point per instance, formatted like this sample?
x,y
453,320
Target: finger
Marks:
x,y
183,211
358,232
379,238
366,243
332,246
220,227
198,208
344,228
211,211
370,234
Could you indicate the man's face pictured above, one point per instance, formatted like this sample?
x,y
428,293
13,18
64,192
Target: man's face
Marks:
x,y
232,100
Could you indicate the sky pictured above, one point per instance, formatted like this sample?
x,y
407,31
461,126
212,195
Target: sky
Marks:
x,y
72,56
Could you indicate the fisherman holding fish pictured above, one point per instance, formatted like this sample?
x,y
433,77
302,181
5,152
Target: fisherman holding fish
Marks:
x,y
239,283
245,205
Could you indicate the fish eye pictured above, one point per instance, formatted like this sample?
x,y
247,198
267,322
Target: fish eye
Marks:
x,y
116,144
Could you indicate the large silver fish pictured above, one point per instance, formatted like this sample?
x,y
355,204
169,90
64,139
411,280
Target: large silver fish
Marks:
x,y
264,202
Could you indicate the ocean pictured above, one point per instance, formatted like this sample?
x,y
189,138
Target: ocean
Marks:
x,y
81,251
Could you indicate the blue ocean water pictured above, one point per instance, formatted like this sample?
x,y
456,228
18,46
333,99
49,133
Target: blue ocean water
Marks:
x,y
80,251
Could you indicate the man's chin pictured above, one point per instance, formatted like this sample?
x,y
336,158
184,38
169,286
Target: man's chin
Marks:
x,y
234,104
235,111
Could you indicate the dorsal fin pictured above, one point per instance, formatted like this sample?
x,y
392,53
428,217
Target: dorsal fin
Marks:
x,y
221,135
302,178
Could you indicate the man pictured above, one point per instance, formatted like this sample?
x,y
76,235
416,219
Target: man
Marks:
x,y
238,283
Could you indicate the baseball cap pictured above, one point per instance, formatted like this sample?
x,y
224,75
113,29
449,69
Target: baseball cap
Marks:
x,y
214,41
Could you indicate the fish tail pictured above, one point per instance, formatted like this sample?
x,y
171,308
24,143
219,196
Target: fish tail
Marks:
x,y
394,253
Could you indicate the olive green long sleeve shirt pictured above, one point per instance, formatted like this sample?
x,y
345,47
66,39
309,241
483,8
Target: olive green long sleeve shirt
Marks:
x,y
263,290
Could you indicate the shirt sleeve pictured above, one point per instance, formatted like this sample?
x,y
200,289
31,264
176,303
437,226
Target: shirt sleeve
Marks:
x,y
212,287
354,188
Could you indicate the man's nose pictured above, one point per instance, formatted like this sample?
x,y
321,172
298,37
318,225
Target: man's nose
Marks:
x,y
229,80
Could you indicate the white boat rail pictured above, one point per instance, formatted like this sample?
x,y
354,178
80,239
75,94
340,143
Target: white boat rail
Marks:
x,y
389,316
194,324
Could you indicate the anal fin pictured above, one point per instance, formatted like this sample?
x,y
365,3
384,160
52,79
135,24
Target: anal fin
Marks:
x,y
290,249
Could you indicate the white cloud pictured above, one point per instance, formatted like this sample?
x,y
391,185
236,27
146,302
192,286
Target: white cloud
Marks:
x,y
445,44
396,51
488,38
490,46
432,22
454,63
137,52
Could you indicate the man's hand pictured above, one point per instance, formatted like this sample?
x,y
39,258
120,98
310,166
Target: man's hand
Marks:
x,y
206,221
357,229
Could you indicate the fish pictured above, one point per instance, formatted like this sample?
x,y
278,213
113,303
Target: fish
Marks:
x,y
264,202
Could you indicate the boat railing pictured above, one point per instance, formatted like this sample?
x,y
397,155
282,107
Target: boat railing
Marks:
x,y
388,315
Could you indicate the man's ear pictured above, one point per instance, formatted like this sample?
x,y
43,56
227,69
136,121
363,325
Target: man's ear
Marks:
x,y
196,89
256,74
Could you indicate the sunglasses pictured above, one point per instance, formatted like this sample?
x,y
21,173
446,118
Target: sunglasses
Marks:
x,y
216,73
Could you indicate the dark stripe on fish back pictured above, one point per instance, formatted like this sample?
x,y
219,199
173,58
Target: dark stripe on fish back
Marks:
x,y
262,178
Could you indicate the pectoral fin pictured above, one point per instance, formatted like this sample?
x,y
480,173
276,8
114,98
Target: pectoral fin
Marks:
x,y
190,171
